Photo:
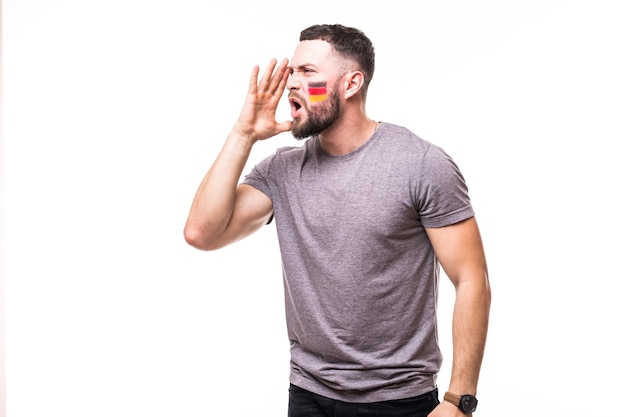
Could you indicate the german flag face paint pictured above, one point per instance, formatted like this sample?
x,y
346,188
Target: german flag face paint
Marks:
x,y
317,91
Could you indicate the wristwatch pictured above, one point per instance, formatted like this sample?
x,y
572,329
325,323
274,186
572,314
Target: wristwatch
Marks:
x,y
467,402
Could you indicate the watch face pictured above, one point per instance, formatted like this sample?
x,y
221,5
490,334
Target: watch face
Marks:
x,y
468,403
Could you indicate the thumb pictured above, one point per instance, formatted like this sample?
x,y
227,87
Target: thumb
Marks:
x,y
284,126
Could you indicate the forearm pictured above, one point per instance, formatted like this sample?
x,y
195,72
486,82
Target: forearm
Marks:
x,y
214,202
220,214
469,332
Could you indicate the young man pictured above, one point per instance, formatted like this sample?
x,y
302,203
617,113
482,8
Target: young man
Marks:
x,y
365,213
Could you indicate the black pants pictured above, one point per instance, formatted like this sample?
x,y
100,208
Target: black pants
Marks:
x,y
303,403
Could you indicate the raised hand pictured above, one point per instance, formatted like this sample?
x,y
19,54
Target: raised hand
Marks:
x,y
258,116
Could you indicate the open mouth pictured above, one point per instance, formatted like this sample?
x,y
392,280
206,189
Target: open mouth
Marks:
x,y
296,105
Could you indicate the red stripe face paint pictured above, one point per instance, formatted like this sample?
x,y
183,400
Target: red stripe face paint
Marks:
x,y
317,91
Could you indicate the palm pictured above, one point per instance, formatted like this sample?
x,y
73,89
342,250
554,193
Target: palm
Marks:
x,y
258,116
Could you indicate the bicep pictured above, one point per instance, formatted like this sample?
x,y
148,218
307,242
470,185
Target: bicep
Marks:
x,y
251,211
459,249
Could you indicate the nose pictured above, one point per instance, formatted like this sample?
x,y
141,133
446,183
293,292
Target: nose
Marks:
x,y
293,82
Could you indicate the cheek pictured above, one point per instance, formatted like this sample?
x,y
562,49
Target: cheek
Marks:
x,y
317,91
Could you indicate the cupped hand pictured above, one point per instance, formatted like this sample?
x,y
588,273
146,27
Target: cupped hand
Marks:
x,y
258,116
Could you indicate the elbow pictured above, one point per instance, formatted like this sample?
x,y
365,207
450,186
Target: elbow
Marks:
x,y
199,240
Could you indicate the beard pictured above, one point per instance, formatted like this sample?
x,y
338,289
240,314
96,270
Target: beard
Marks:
x,y
319,117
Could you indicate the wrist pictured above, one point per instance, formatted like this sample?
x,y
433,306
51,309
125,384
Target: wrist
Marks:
x,y
241,137
465,402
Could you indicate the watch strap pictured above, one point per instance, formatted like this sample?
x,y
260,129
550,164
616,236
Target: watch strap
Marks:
x,y
452,398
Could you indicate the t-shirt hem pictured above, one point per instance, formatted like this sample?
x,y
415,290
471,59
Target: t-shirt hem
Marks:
x,y
451,219
414,388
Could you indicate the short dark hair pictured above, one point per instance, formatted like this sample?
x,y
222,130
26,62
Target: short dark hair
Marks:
x,y
348,42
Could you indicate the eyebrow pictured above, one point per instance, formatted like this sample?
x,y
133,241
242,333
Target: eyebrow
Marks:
x,y
300,67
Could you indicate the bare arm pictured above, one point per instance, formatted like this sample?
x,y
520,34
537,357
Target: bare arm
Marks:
x,y
460,251
222,211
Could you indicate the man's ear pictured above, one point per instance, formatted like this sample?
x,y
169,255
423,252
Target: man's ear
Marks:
x,y
354,82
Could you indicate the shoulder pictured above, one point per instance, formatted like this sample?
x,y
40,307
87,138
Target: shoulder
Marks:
x,y
404,136
283,158
403,141
429,161
287,156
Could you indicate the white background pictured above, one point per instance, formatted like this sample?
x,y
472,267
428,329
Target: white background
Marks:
x,y
114,110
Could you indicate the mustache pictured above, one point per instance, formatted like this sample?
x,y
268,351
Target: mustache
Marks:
x,y
296,96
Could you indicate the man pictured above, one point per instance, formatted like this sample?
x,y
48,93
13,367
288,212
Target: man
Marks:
x,y
365,213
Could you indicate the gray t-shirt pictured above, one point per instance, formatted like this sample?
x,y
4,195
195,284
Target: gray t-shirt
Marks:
x,y
360,274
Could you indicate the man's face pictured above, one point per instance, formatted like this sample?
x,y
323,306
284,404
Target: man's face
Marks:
x,y
313,89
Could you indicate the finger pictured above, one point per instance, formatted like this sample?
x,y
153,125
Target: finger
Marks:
x,y
267,75
279,77
280,90
252,86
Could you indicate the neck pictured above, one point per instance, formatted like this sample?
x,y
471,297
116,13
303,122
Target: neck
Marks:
x,y
347,135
